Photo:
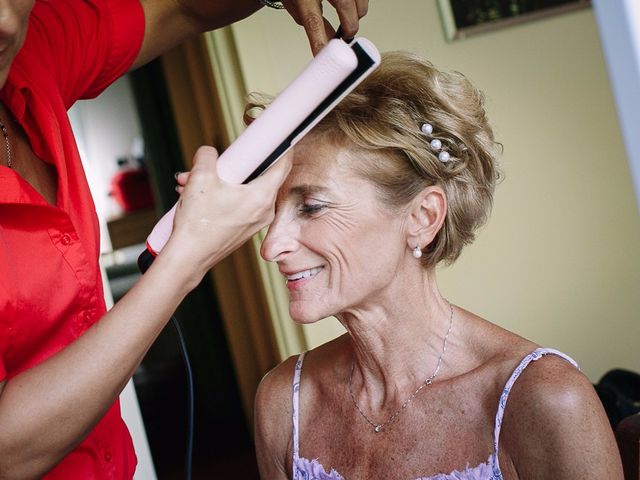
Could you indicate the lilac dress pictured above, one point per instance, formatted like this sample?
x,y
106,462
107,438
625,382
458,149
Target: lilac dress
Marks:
x,y
304,469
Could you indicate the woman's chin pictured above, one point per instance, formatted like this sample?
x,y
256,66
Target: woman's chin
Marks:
x,y
303,316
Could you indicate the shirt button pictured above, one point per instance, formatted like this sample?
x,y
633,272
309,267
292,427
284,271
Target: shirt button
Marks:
x,y
65,239
86,317
107,456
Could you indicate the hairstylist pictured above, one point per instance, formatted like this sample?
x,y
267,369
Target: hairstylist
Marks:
x,y
63,359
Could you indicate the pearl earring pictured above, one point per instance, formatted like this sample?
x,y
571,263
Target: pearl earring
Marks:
x,y
417,253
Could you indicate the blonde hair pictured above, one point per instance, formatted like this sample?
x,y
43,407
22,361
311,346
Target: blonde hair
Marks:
x,y
383,117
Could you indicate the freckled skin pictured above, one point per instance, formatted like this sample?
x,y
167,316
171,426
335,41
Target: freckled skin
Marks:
x,y
346,227
348,255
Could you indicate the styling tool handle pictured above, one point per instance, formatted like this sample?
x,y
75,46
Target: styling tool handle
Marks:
x,y
336,70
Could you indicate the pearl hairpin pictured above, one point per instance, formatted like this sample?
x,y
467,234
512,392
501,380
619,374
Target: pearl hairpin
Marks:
x,y
435,144
427,128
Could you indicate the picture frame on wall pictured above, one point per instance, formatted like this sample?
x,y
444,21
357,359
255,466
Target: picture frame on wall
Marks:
x,y
464,18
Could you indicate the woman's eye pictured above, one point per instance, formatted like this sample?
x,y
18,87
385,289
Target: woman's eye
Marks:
x,y
311,208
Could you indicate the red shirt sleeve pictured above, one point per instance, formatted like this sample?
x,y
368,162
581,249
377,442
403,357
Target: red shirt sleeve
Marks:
x,y
86,44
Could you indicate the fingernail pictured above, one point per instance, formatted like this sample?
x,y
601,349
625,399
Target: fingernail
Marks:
x,y
177,187
175,175
340,34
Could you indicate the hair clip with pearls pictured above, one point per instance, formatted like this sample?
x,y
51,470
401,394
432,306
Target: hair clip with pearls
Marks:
x,y
435,144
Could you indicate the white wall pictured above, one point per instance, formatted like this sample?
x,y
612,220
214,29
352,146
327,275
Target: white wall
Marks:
x,y
105,129
558,262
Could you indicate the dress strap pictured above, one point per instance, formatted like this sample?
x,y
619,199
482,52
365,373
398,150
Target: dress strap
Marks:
x,y
296,403
537,354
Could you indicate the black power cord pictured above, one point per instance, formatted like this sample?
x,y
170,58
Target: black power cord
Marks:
x,y
144,262
188,467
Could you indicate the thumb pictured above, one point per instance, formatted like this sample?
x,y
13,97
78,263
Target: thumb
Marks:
x,y
205,157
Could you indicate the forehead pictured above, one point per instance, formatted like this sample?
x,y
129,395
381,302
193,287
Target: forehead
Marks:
x,y
317,161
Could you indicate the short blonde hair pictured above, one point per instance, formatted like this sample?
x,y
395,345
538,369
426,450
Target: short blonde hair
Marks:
x,y
384,115
383,118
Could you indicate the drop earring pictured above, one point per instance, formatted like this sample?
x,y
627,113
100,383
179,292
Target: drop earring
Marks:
x,y
417,253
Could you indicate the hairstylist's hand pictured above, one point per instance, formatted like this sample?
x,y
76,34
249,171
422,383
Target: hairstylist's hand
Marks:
x,y
308,13
213,217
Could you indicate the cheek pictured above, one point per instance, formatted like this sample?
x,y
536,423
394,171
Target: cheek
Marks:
x,y
23,30
376,255
23,10
22,13
341,247
367,249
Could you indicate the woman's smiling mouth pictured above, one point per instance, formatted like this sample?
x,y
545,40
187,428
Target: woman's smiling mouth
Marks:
x,y
302,275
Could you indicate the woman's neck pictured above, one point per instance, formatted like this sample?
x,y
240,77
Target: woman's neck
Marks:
x,y
397,341
19,156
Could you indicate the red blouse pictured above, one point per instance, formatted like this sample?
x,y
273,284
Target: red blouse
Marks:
x,y
50,284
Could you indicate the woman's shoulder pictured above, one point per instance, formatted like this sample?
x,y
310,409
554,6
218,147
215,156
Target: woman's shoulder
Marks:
x,y
276,387
553,412
493,349
550,409
550,384
273,413
537,373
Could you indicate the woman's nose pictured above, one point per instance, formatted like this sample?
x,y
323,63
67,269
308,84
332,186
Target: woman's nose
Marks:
x,y
280,239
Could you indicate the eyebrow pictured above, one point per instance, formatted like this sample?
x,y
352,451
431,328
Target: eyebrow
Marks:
x,y
306,189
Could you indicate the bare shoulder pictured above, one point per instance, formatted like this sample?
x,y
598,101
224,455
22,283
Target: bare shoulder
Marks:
x,y
276,388
273,419
273,385
552,386
555,426
492,345
273,398
274,406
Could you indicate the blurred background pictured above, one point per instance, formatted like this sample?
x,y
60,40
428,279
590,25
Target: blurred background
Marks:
x,y
557,263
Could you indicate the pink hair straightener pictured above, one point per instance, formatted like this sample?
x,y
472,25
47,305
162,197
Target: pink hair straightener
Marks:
x,y
337,69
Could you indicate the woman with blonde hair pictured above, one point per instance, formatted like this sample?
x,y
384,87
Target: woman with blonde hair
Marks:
x,y
395,181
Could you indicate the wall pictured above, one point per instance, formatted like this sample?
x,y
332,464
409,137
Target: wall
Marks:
x,y
558,262
105,128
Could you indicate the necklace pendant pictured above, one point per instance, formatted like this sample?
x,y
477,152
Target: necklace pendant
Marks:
x,y
377,428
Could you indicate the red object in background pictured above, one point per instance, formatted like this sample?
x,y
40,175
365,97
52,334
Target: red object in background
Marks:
x,y
132,189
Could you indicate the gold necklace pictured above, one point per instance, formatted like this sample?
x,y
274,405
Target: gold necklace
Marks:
x,y
5,134
378,427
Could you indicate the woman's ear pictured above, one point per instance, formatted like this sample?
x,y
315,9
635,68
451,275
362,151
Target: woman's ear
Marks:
x,y
426,216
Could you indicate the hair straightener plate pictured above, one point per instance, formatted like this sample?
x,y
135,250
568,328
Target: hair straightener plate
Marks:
x,y
337,69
